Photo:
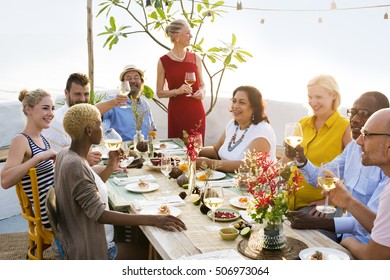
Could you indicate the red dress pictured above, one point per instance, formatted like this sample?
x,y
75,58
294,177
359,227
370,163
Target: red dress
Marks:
x,y
184,113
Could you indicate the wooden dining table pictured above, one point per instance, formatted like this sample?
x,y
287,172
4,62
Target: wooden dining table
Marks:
x,y
197,239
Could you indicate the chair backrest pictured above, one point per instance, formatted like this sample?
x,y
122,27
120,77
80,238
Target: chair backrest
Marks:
x,y
51,208
40,238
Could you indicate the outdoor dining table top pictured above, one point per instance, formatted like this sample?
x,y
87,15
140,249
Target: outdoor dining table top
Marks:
x,y
196,239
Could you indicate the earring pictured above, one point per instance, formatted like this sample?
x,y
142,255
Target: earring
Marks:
x,y
253,117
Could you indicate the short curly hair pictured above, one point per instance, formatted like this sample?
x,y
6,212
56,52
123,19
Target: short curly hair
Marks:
x,y
78,117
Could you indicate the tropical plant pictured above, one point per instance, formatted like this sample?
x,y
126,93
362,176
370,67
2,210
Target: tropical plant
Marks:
x,y
197,13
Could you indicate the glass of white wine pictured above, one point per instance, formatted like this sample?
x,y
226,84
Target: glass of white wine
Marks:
x,y
328,175
190,79
293,136
166,168
124,89
112,140
213,199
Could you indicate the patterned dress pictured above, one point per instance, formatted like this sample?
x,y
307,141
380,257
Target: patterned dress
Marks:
x,y
45,177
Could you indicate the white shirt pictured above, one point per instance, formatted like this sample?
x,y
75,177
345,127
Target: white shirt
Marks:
x,y
260,130
56,134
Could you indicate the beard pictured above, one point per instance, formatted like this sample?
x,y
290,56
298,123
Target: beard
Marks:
x,y
71,102
136,90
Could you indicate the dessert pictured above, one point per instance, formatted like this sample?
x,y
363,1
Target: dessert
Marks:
x,y
317,256
164,210
143,184
163,146
243,201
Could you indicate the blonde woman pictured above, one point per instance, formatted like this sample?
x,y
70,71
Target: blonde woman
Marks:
x,y
30,149
325,135
185,108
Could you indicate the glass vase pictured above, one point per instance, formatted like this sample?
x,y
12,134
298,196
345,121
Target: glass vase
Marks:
x,y
191,176
138,137
271,237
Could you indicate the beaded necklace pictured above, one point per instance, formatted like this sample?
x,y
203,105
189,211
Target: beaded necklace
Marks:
x,y
178,58
233,144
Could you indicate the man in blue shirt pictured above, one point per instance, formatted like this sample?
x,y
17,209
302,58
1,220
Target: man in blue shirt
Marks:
x,y
122,119
365,183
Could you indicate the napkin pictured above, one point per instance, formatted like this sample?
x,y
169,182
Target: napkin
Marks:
x,y
228,254
135,179
174,200
223,183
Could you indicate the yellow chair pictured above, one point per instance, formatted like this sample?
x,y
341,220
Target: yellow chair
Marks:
x,y
39,237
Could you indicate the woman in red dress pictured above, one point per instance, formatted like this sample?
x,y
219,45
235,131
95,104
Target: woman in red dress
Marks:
x,y
185,108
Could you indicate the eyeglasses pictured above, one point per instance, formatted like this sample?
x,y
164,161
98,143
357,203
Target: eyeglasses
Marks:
x,y
366,134
360,113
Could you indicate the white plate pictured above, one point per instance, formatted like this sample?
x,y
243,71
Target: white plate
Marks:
x,y
328,253
154,211
169,145
126,162
235,202
231,211
216,175
133,187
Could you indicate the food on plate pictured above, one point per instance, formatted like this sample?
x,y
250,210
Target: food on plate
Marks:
x,y
163,146
143,184
224,215
317,256
242,224
243,201
164,210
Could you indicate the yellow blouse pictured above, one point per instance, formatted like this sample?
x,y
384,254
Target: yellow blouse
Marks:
x,y
321,146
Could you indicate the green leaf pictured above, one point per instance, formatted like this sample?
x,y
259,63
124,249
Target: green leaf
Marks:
x,y
148,92
102,10
234,39
112,23
108,40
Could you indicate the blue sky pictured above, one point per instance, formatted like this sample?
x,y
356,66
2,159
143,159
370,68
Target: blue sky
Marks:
x,y
43,43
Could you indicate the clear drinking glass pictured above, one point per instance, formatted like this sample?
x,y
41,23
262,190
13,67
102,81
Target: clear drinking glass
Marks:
x,y
124,89
213,199
293,136
190,79
328,175
112,140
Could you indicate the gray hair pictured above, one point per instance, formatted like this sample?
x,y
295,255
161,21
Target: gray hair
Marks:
x,y
174,27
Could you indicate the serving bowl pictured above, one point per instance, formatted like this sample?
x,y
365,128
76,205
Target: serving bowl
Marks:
x,y
228,233
155,161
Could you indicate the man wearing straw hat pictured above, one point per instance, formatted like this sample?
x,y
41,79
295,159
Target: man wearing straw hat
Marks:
x,y
122,119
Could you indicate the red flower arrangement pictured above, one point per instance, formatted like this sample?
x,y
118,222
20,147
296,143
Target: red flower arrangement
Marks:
x,y
193,142
270,185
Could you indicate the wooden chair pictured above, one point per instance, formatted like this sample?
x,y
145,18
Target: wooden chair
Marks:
x,y
39,237
51,208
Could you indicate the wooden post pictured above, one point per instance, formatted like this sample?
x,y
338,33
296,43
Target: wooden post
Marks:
x,y
90,44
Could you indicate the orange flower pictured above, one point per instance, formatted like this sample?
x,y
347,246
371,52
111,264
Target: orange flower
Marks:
x,y
203,177
153,133
183,167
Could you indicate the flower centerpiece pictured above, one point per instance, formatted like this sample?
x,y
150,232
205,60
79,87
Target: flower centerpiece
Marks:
x,y
269,185
139,118
194,143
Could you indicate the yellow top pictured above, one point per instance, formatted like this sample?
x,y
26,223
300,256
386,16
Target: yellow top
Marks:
x,y
321,146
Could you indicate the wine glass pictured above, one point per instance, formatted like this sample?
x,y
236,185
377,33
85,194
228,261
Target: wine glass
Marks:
x,y
124,89
190,79
166,165
293,136
112,140
213,199
328,174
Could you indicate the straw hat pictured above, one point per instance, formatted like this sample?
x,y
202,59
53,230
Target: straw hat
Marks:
x,y
131,67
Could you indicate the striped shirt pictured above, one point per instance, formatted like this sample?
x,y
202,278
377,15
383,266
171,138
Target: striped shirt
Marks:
x,y
45,177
